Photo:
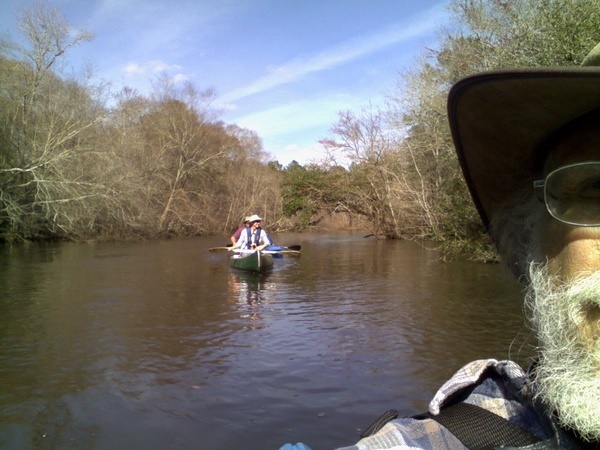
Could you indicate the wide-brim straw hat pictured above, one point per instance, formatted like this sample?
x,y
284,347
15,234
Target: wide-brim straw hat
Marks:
x,y
254,218
247,219
498,120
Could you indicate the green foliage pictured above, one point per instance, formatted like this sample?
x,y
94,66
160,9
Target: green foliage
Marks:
x,y
521,33
301,191
161,165
402,174
275,165
486,34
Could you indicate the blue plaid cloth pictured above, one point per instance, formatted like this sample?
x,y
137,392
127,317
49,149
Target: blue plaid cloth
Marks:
x,y
501,387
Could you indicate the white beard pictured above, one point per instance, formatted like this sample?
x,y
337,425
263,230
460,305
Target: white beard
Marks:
x,y
568,375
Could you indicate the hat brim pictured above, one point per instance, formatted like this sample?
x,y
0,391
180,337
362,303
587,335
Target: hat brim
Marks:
x,y
499,119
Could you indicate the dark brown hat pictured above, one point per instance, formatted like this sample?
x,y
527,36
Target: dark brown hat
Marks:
x,y
499,119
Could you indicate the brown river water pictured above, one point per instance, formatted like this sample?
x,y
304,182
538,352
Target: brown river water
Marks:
x,y
161,345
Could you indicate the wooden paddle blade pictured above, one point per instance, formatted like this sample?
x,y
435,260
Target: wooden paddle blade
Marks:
x,y
293,247
219,249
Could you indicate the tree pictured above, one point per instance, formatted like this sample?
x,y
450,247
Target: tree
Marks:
x,y
47,126
363,142
486,34
247,182
150,166
302,189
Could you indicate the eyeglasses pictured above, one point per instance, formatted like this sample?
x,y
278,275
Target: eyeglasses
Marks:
x,y
572,193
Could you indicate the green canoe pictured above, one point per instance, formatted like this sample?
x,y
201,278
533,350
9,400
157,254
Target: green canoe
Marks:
x,y
252,261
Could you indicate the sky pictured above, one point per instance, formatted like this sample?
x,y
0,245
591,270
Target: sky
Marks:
x,y
281,68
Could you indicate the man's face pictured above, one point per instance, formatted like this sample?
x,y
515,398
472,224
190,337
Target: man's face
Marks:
x,y
574,252
564,301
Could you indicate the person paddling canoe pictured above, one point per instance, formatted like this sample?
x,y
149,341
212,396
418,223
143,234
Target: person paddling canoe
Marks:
x,y
254,237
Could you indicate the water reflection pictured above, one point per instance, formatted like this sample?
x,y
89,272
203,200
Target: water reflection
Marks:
x,y
245,287
250,292
163,345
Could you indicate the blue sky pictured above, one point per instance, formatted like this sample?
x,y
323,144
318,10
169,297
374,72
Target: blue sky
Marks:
x,y
281,68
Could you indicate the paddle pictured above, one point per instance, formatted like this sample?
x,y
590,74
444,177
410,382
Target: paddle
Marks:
x,y
221,249
277,248
293,249
291,252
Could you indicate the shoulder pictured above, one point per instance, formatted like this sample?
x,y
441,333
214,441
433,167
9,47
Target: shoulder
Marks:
x,y
500,387
484,378
410,434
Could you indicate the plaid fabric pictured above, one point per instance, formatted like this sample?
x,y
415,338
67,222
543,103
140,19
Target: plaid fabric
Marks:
x,y
501,387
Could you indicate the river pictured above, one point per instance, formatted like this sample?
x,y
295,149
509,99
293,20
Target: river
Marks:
x,y
156,345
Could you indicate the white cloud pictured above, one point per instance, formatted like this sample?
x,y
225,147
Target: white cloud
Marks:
x,y
340,54
314,113
227,107
132,69
290,118
152,67
301,152
291,131
179,78
158,66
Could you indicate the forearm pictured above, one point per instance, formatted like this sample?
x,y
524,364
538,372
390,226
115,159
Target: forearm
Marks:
x,y
235,244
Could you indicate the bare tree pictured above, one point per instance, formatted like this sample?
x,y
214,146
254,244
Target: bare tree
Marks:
x,y
49,121
363,142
